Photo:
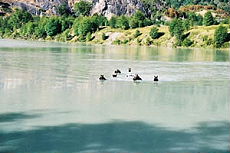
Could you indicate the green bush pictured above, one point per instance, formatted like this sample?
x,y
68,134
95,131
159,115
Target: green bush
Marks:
x,y
220,36
103,36
186,25
154,34
40,30
82,8
133,23
122,22
28,29
18,18
85,25
64,10
187,42
117,42
89,37
147,22
53,26
137,34
66,23
100,20
208,19
148,42
176,29
113,22
194,19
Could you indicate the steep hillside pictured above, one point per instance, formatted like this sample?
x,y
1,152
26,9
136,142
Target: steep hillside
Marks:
x,y
104,7
114,7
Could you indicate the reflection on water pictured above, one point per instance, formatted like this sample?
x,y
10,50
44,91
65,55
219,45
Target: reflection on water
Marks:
x,y
51,99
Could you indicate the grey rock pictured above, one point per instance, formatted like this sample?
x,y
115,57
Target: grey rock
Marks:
x,y
103,7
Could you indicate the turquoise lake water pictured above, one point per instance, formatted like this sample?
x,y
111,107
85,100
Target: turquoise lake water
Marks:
x,y
51,100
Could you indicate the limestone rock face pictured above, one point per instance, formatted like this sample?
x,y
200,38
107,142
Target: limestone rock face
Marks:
x,y
104,7
109,8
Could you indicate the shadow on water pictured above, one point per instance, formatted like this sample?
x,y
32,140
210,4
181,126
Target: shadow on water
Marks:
x,y
117,137
11,117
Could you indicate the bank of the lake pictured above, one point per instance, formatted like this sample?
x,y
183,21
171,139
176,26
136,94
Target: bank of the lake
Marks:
x,y
201,36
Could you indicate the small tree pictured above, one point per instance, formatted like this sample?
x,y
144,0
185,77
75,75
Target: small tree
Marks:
x,y
103,36
82,8
18,18
113,22
176,29
122,22
64,10
85,25
100,20
88,36
40,30
133,22
139,17
53,26
154,34
28,29
187,42
220,36
137,33
186,24
208,19
66,23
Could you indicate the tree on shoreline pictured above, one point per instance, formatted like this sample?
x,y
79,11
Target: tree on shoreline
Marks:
x,y
176,29
220,36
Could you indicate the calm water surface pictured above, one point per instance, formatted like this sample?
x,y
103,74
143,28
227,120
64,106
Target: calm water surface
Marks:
x,y
52,102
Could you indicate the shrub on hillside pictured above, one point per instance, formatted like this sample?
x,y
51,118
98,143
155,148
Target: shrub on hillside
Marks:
x,y
53,26
64,10
187,42
220,36
208,19
154,34
137,33
122,22
113,22
82,8
176,29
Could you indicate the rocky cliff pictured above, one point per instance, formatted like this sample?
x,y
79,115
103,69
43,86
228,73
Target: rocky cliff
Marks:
x,y
104,7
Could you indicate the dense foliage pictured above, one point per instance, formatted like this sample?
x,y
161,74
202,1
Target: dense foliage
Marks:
x,y
80,25
208,19
154,33
176,29
82,8
154,4
63,10
220,36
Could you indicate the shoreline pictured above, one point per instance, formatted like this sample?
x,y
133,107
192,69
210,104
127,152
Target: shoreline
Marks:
x,y
201,36
121,45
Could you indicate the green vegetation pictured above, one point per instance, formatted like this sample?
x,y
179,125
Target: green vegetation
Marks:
x,y
195,19
220,4
154,33
137,34
184,28
53,27
82,8
208,19
63,10
220,36
103,36
176,29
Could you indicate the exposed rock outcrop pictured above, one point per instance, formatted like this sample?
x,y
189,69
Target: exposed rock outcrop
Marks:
x,y
104,7
109,8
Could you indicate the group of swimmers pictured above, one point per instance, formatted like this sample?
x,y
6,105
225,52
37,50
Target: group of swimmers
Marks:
x,y
136,77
